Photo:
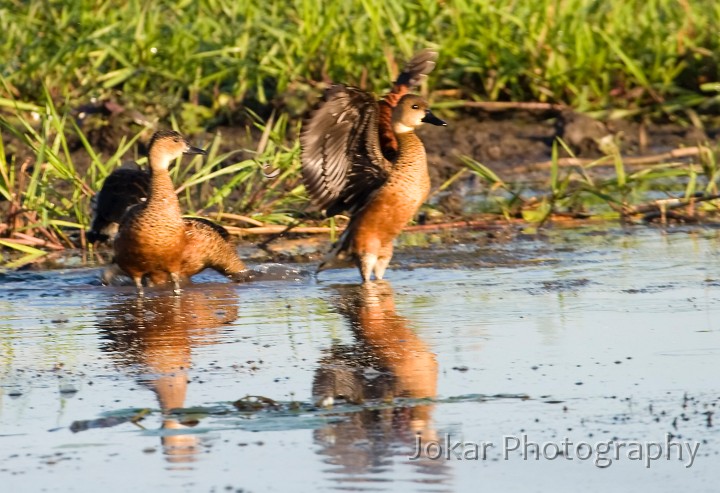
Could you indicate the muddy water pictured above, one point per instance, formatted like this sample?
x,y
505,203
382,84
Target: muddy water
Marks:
x,y
600,337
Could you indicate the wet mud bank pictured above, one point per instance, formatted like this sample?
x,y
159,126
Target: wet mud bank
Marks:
x,y
511,138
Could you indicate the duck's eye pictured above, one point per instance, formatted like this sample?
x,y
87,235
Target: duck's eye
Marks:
x,y
415,107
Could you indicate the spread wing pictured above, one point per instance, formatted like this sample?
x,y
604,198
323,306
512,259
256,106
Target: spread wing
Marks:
x,y
342,164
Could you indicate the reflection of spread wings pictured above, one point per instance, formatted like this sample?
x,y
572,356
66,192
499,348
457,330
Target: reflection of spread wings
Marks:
x,y
342,164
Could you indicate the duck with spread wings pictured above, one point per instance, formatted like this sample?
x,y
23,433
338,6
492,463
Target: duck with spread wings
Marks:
x,y
357,160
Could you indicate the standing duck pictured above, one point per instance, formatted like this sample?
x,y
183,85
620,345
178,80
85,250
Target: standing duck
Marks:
x,y
208,245
345,169
153,239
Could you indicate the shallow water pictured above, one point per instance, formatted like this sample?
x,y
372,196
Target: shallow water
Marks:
x,y
583,336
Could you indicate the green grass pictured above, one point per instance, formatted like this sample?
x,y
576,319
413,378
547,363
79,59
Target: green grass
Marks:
x,y
196,65
225,54
46,197
605,188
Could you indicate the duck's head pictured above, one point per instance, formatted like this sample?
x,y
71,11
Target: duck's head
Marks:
x,y
168,145
411,112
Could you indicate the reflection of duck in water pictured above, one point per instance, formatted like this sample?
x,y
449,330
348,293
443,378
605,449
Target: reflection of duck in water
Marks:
x,y
157,334
388,361
154,242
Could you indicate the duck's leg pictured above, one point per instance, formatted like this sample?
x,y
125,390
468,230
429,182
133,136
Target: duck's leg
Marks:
x,y
386,252
176,282
137,279
367,264
366,246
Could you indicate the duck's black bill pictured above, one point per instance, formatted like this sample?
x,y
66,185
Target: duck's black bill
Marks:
x,y
433,120
195,150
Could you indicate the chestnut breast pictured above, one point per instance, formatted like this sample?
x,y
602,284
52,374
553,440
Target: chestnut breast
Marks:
x,y
397,201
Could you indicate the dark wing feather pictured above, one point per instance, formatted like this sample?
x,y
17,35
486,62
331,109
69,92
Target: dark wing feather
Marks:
x,y
421,64
341,160
122,189
207,224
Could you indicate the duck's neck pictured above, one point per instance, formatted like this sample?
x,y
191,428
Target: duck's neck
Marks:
x,y
162,191
411,151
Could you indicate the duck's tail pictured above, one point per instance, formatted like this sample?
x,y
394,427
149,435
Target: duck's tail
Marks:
x,y
340,254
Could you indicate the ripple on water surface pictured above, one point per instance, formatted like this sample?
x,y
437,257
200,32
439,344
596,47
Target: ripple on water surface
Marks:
x,y
580,336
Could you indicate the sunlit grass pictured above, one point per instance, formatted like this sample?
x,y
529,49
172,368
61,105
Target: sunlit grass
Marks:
x,y
222,54
195,65
606,188
47,199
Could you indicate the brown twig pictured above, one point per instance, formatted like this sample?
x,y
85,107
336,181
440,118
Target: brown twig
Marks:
x,y
666,204
23,239
419,227
63,237
468,224
608,160
510,105
268,230
238,217
488,223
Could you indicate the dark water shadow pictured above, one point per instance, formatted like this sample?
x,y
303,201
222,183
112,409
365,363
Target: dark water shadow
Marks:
x,y
387,363
152,339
